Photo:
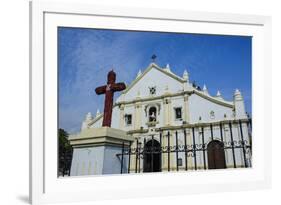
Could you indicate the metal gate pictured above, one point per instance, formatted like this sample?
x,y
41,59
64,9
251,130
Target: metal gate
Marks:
x,y
140,153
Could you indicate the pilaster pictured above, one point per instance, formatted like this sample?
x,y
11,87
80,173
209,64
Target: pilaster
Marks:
x,y
167,111
138,120
186,109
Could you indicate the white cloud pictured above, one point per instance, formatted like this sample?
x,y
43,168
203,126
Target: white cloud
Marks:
x,y
94,56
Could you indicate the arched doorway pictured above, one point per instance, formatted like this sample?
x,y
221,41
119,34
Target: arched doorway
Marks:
x,y
216,155
152,156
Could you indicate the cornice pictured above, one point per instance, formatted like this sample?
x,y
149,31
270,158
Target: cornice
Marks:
x,y
188,126
199,93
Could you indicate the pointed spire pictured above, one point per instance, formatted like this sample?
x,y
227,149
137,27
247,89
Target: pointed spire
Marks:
x,y
98,113
89,116
185,75
219,95
167,68
205,90
139,73
204,87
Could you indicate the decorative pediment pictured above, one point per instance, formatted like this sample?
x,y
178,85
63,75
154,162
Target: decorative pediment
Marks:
x,y
140,76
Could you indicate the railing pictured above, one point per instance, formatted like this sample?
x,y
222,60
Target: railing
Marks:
x,y
237,148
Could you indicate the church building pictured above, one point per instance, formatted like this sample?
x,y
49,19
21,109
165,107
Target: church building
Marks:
x,y
170,124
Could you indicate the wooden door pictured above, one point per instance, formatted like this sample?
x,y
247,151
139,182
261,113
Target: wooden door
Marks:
x,y
152,157
216,155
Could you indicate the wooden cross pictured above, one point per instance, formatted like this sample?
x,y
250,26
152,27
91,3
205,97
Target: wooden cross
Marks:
x,y
109,90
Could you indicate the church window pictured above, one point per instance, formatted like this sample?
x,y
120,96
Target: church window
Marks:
x,y
178,113
212,115
128,119
152,114
152,90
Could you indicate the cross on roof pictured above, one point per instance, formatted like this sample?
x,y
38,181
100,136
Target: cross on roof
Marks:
x,y
153,57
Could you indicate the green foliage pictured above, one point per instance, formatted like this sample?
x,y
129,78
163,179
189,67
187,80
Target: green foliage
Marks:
x,y
63,139
65,153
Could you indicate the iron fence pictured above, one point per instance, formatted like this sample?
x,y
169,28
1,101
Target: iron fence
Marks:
x,y
190,150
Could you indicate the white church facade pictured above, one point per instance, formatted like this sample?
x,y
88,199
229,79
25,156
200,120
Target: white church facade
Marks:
x,y
172,126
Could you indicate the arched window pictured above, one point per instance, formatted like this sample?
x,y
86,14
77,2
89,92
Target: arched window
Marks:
x,y
152,114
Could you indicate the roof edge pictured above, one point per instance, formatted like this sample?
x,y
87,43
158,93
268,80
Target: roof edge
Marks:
x,y
152,65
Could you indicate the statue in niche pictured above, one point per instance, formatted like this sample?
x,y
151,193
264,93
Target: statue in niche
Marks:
x,y
152,114
152,117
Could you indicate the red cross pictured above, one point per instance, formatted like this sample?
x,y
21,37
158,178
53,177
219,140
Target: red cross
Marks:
x,y
109,90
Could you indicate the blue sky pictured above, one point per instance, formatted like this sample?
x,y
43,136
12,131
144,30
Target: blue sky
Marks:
x,y
86,55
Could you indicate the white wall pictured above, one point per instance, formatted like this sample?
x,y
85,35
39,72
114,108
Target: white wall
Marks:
x,y
87,161
148,80
200,107
14,103
197,105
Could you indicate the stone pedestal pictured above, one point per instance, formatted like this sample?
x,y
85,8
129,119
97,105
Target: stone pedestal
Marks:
x,y
95,151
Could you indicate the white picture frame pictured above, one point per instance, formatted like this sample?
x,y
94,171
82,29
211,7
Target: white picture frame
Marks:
x,y
46,187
